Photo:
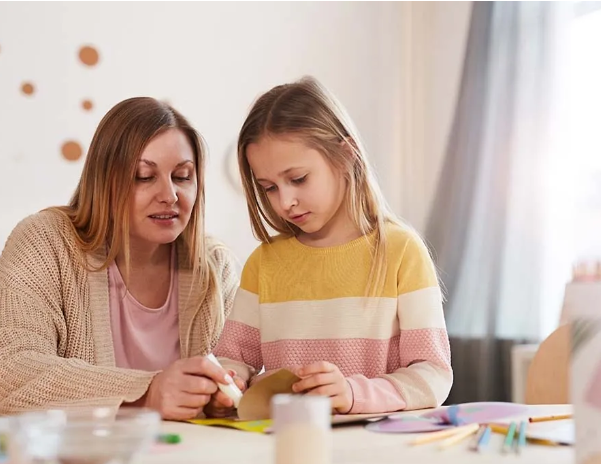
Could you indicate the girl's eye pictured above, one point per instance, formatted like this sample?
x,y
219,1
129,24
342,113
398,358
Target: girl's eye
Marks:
x,y
269,189
143,179
181,179
299,180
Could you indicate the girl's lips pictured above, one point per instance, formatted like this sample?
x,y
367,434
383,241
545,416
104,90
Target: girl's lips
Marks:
x,y
299,217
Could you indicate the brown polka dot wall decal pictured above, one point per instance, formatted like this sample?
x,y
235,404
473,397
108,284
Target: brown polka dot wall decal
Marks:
x,y
87,105
27,88
71,150
88,55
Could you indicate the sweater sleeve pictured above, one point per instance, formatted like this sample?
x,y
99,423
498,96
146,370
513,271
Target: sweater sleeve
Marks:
x,y
228,284
239,347
34,332
425,376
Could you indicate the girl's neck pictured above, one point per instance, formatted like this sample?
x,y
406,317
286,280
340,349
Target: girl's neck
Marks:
x,y
340,230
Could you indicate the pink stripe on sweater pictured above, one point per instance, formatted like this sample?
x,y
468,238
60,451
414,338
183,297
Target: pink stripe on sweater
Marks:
x,y
352,356
361,355
362,361
425,345
240,342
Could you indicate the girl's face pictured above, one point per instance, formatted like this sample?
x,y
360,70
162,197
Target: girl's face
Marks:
x,y
164,190
302,187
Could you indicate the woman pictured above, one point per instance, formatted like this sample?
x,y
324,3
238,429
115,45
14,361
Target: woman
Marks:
x,y
116,298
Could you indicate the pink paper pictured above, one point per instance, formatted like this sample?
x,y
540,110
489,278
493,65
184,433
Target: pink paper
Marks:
x,y
468,413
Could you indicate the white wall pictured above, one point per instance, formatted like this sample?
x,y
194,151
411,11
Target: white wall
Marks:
x,y
434,36
210,60
450,27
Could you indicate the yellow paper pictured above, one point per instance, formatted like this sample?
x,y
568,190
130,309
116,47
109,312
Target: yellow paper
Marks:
x,y
258,426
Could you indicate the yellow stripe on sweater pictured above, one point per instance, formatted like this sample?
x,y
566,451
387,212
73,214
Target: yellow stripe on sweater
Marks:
x,y
287,270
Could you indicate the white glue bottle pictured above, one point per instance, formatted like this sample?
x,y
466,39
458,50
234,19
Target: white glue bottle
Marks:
x,y
231,389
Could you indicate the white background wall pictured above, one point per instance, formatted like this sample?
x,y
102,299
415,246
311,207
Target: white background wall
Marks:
x,y
210,60
434,35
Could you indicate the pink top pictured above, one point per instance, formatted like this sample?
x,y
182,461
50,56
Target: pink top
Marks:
x,y
143,338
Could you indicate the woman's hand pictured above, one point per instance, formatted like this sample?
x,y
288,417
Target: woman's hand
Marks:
x,y
325,379
181,391
222,405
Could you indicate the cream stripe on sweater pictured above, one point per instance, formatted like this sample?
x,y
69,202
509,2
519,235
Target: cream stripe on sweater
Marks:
x,y
56,348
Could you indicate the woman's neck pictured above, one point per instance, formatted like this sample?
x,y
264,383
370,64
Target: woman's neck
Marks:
x,y
141,257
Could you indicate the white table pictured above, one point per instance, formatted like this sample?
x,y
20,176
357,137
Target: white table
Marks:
x,y
352,445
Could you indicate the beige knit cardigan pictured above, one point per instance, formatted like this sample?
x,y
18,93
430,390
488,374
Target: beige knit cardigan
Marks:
x,y
56,347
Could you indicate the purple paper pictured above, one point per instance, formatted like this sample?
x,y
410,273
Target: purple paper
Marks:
x,y
468,413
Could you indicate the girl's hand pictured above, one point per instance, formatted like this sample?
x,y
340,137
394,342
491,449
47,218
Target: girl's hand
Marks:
x,y
220,405
325,379
260,377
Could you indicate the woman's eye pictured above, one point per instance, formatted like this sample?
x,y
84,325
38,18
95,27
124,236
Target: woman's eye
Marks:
x,y
143,179
299,180
271,188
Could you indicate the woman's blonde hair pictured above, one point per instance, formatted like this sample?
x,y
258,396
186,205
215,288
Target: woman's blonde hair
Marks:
x,y
99,208
308,110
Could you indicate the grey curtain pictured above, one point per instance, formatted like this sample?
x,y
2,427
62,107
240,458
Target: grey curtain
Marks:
x,y
487,219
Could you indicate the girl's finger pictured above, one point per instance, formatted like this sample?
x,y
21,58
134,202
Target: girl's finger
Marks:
x,y
316,368
313,381
331,390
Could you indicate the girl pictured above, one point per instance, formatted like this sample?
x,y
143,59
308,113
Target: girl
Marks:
x,y
346,296
115,298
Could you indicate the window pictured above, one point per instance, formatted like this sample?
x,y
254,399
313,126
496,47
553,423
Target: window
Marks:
x,y
575,200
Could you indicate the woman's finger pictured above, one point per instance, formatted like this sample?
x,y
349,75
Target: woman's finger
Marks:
x,y
195,384
220,399
181,413
188,400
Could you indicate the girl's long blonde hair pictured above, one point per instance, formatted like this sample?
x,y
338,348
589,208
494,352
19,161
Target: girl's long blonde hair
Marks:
x,y
306,109
99,208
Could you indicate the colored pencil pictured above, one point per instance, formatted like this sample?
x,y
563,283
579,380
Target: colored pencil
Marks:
x,y
460,436
521,444
550,418
434,436
474,444
484,439
507,444
498,428
502,429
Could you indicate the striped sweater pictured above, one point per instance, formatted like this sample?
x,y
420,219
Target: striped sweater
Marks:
x,y
298,304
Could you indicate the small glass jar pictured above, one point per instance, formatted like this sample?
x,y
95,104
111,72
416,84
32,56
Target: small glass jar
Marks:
x,y
82,435
302,426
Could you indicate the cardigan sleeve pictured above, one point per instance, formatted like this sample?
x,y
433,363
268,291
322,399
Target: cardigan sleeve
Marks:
x,y
36,336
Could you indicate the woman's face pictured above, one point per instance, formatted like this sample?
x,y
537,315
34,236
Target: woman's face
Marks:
x,y
165,190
